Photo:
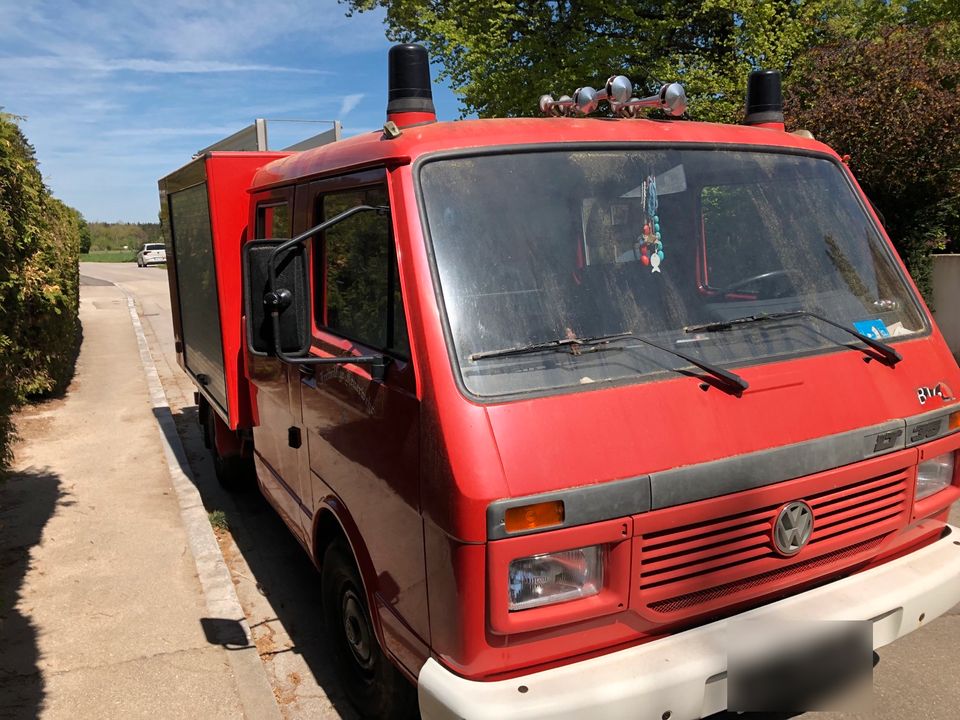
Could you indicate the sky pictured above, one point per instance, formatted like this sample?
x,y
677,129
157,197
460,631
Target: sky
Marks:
x,y
115,94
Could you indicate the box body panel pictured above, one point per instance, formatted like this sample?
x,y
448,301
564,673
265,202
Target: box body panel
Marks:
x,y
204,212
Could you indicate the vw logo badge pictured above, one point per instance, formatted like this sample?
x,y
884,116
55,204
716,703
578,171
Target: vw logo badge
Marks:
x,y
793,528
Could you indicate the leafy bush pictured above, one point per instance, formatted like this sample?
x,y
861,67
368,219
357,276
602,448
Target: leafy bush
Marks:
x,y
891,104
39,282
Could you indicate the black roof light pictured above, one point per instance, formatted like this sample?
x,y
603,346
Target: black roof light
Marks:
x,y
409,85
764,98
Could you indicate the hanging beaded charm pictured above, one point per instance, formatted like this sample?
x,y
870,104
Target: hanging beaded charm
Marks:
x,y
652,251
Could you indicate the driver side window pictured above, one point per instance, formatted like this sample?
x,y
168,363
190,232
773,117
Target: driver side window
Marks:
x,y
359,296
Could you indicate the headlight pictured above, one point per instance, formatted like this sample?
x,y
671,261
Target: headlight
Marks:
x,y
934,475
555,577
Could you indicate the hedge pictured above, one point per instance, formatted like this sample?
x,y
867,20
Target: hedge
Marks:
x,y
891,103
39,283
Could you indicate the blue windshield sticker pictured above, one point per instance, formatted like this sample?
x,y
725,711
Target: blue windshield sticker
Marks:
x,y
873,329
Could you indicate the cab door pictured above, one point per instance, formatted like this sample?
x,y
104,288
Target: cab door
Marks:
x,y
363,435
277,435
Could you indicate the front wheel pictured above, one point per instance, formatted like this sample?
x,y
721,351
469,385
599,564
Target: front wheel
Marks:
x,y
374,686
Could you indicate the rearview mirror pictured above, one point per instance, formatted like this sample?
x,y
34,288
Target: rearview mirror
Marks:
x,y
291,297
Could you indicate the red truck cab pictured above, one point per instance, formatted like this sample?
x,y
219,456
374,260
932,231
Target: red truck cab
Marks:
x,y
554,403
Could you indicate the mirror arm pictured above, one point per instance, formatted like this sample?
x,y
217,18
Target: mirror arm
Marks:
x,y
279,299
378,363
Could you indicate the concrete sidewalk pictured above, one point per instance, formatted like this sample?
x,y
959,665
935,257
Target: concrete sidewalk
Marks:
x,y
102,613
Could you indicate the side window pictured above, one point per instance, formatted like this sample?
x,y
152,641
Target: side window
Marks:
x,y
273,221
359,289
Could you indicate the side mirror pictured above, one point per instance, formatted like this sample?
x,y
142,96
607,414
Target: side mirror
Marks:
x,y
291,297
276,298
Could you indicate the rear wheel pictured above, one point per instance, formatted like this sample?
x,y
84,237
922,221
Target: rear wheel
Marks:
x,y
232,471
371,682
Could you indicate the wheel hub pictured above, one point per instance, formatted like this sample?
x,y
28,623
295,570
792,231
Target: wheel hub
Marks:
x,y
357,630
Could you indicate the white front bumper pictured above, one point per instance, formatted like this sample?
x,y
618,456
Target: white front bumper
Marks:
x,y
685,674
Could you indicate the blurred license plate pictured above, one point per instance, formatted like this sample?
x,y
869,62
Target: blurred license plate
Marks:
x,y
794,667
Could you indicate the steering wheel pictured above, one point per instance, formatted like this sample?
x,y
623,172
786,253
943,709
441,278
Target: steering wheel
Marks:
x,y
772,278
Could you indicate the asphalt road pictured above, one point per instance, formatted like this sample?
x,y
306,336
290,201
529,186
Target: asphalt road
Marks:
x,y
917,677
149,287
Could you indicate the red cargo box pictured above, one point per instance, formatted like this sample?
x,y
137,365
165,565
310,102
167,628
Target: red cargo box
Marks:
x,y
204,211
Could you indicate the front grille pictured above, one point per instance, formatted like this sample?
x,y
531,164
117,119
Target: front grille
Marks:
x,y
686,566
684,602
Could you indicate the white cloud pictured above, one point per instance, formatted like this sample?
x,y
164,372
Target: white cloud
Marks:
x,y
117,93
185,29
198,66
107,65
348,103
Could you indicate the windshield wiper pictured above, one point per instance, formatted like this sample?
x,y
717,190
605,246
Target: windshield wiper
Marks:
x,y
573,343
728,381
888,354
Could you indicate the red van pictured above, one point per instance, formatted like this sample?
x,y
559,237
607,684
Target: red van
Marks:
x,y
556,405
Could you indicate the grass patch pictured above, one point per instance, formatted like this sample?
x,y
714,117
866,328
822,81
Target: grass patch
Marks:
x,y
218,518
109,256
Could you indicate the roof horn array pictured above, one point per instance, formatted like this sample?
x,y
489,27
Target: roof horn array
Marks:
x,y
617,93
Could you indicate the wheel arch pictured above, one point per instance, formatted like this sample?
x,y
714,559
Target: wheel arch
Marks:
x,y
331,522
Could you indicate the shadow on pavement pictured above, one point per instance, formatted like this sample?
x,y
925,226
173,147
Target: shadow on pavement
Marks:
x,y
281,569
28,499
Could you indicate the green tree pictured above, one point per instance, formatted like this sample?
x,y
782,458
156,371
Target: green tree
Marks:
x,y
842,65
866,19
500,56
113,236
85,237
891,104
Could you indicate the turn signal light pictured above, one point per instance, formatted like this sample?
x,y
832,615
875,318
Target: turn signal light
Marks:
x,y
532,517
954,421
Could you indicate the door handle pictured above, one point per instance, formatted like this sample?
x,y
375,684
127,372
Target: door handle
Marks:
x,y
294,439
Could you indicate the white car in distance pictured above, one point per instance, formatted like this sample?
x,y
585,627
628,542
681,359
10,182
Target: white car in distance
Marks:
x,y
152,254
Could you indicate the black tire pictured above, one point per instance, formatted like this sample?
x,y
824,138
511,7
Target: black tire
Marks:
x,y
233,471
370,681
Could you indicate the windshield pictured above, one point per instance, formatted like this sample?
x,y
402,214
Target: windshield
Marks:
x,y
533,247
153,246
